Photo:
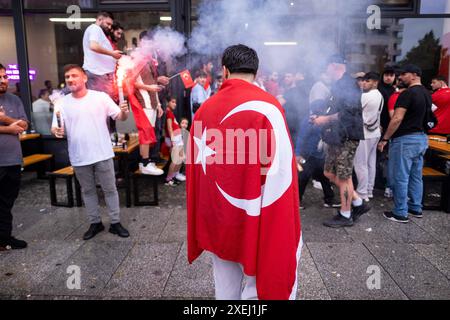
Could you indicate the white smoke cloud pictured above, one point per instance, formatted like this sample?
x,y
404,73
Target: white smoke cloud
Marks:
x,y
223,23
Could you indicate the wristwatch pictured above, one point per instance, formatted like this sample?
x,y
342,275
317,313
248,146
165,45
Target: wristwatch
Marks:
x,y
385,140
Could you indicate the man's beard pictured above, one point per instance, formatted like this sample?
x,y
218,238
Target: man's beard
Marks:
x,y
3,89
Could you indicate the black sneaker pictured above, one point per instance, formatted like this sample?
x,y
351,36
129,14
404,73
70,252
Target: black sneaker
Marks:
x,y
415,214
358,211
93,230
339,221
12,243
331,204
393,217
159,161
118,229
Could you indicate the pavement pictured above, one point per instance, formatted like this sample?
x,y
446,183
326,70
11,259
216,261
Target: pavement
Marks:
x,y
375,259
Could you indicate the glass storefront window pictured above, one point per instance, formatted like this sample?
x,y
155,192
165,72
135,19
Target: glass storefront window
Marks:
x,y
9,55
421,41
5,4
52,4
434,6
52,45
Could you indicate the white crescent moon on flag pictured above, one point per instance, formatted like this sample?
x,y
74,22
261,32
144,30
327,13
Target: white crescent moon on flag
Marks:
x,y
279,176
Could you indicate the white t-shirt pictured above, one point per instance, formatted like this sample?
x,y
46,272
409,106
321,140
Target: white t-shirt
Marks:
x,y
85,124
372,104
94,62
40,105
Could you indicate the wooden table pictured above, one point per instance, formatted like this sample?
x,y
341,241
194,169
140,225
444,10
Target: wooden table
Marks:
x,y
29,136
439,144
123,156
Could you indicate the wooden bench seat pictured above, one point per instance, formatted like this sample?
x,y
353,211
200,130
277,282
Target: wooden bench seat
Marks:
x,y
40,161
36,158
67,174
432,173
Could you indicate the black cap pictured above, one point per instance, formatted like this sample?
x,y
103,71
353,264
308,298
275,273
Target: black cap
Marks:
x,y
372,76
389,70
411,68
336,58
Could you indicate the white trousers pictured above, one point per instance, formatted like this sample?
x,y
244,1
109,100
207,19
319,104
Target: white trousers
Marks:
x,y
231,283
365,166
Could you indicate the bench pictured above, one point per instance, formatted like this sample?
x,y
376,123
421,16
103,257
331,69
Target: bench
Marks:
x,y
433,175
67,174
137,175
38,159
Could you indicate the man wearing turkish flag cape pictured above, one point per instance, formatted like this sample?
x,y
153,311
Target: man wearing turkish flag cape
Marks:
x,y
242,193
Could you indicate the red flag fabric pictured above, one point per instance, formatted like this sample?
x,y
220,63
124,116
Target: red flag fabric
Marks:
x,y
187,79
441,98
145,130
244,211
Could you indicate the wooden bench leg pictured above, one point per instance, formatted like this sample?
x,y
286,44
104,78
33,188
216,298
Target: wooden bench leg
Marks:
x,y
69,192
77,192
53,199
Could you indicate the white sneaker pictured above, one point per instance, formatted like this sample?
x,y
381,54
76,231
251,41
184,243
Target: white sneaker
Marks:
x,y
388,193
317,185
180,177
150,169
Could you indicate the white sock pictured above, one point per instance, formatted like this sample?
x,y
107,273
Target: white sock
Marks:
x,y
346,214
358,202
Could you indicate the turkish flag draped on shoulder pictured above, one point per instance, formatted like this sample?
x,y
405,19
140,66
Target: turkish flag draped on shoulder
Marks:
x,y
187,79
242,192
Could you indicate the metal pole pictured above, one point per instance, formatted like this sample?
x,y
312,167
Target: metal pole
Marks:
x,y
22,55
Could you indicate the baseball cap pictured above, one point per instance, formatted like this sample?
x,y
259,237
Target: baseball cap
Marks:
x,y
411,68
336,58
372,76
358,75
389,70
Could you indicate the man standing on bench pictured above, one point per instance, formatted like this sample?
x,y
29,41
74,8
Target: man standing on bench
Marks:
x,y
83,116
13,121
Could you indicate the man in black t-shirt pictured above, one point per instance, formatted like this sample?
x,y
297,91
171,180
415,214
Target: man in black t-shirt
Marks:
x,y
408,146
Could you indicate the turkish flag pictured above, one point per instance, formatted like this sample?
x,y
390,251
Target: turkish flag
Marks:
x,y
187,79
145,130
242,189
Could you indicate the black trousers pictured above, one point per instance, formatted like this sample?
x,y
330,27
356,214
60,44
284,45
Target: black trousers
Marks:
x,y
9,190
313,168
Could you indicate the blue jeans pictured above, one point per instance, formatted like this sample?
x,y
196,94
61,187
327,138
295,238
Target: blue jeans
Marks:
x,y
406,162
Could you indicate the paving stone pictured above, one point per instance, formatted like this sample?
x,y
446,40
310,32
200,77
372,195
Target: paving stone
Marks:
x,y
310,284
436,223
437,254
191,281
98,261
22,270
176,228
344,270
145,271
417,277
56,224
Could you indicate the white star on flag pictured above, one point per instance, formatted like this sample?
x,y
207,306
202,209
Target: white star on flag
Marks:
x,y
203,150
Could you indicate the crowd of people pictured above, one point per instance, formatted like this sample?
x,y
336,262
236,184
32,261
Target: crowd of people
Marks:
x,y
344,131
